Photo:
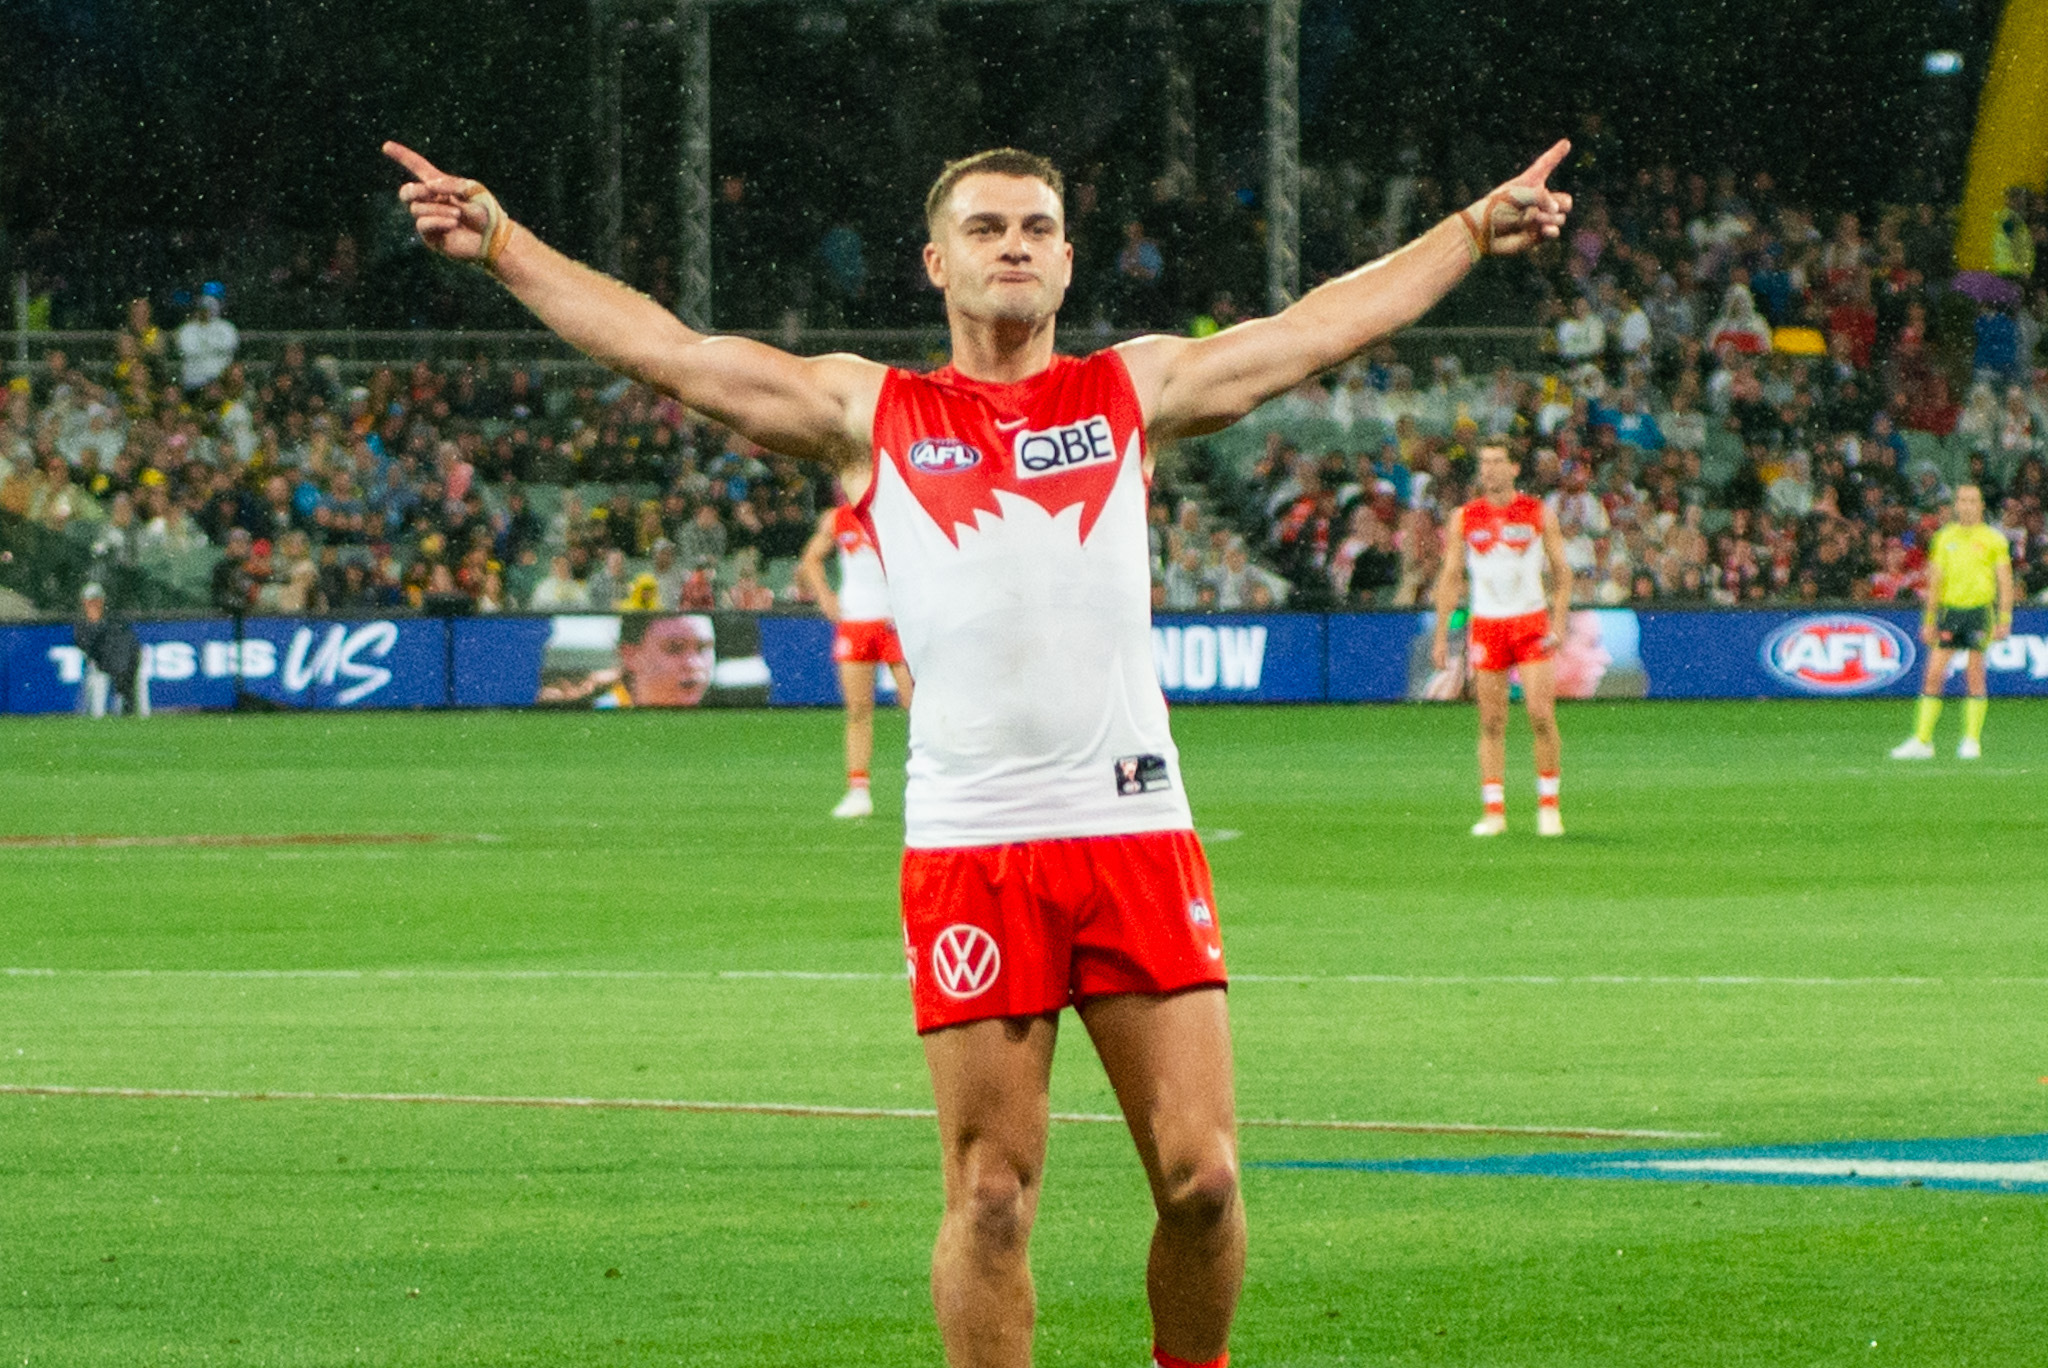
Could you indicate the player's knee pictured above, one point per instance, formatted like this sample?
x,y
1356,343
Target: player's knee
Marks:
x,y
994,1207
1493,728
1543,726
860,709
1200,1195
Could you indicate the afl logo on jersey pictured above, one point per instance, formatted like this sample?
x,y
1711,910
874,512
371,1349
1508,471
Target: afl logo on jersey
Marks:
x,y
1049,451
943,456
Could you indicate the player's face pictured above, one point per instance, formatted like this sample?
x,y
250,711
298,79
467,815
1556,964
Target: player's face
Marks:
x,y
670,667
1969,504
1496,473
1001,251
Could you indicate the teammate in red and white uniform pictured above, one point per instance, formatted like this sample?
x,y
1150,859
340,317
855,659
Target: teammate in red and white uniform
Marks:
x,y
862,638
1050,861
1503,542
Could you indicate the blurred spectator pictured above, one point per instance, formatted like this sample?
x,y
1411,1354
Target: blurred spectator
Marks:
x,y
1140,266
113,656
206,345
608,584
704,535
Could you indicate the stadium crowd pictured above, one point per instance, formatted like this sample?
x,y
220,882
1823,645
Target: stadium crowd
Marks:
x,y
1735,406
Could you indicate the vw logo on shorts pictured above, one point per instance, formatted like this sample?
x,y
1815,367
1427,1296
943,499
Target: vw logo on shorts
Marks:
x,y
965,961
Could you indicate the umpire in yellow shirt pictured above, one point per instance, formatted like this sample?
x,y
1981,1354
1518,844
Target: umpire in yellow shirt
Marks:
x,y
1969,606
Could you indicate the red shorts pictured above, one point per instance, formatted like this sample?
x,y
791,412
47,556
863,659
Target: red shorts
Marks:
x,y
866,643
1503,643
1024,929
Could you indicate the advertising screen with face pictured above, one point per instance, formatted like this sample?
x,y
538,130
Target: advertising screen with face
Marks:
x,y
653,660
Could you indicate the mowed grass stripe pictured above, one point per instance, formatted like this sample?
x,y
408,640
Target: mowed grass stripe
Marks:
x,y
805,1110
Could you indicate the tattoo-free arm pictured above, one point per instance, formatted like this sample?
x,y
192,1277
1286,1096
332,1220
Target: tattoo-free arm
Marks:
x,y
1190,386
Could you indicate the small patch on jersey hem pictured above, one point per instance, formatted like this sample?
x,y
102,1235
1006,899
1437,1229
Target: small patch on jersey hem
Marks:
x,y
1136,774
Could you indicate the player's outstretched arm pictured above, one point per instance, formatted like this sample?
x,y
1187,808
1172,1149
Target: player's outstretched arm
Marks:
x,y
1190,386
819,408
810,568
1450,588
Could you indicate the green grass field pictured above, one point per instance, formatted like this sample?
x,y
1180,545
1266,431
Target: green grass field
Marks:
x,y
654,906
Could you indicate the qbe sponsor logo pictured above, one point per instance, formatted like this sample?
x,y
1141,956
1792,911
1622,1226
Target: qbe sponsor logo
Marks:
x,y
1071,446
965,961
1198,659
943,456
1838,653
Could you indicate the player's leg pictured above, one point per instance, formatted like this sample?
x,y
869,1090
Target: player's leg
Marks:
x,y
857,684
1975,705
1168,1057
900,672
1490,687
1920,745
991,1084
1539,695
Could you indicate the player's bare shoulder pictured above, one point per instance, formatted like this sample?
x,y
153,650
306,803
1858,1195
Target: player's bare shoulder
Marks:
x,y
853,386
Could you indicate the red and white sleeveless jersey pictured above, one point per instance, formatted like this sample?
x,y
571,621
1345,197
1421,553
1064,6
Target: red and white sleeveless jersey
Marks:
x,y
1012,520
863,590
1504,556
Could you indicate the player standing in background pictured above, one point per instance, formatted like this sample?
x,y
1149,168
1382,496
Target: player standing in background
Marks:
x,y
1503,541
862,638
1050,858
1969,606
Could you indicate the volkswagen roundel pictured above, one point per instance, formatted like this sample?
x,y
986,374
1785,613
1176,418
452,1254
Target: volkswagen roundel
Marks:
x,y
965,961
943,456
1838,653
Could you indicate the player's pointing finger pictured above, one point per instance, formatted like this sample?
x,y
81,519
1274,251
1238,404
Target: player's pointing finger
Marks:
x,y
1540,169
420,167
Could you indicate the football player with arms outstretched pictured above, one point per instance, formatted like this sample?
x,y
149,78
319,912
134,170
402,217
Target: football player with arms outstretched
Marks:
x,y
1050,858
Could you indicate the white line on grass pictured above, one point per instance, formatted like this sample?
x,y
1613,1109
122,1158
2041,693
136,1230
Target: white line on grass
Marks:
x,y
860,976
809,1110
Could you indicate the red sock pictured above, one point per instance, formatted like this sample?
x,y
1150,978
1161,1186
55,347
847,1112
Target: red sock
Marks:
x,y
856,778
1493,796
1546,790
1166,1360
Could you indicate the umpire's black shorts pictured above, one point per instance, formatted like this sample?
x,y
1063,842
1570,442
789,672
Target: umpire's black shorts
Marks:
x,y
1963,629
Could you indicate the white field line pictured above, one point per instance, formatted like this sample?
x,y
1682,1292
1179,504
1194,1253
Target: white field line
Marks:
x,y
808,1110
857,976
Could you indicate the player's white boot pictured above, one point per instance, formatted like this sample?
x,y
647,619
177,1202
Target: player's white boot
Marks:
x,y
1912,748
1549,822
858,802
1968,749
1492,824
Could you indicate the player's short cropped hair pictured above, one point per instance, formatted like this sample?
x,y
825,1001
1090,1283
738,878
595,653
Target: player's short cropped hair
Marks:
x,y
997,161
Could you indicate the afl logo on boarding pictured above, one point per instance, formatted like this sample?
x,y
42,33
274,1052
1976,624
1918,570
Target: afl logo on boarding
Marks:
x,y
965,961
1838,653
943,456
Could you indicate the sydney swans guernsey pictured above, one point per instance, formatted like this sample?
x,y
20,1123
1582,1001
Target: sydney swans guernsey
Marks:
x,y
863,589
1011,519
1504,556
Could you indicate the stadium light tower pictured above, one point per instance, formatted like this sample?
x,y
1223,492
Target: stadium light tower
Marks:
x,y
689,23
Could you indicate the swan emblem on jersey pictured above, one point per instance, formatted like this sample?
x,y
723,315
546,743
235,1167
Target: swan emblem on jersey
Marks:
x,y
965,961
